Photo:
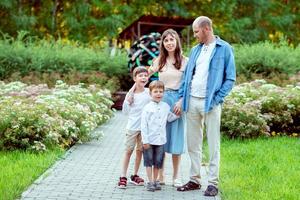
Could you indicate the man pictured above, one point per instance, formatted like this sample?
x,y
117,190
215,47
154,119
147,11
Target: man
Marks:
x,y
208,78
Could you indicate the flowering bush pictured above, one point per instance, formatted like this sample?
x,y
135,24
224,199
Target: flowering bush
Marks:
x,y
36,117
257,108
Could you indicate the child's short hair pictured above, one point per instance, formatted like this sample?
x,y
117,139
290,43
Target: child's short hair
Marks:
x,y
156,84
139,70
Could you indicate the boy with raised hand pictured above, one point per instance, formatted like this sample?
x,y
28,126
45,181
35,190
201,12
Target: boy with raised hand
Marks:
x,y
135,100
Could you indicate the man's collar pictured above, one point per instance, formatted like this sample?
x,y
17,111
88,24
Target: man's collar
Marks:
x,y
218,41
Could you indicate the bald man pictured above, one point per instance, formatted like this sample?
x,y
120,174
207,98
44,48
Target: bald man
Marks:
x,y
208,78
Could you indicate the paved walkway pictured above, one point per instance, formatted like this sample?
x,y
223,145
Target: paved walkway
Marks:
x,y
91,171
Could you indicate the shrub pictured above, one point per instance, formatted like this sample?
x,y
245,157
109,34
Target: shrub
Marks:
x,y
36,117
257,108
71,78
25,56
267,59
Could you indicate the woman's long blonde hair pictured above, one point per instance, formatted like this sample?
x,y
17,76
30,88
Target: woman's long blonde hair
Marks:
x,y
163,53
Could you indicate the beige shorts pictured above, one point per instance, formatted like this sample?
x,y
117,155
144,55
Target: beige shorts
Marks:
x,y
132,139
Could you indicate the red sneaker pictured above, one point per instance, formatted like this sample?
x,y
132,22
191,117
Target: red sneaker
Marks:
x,y
122,183
136,180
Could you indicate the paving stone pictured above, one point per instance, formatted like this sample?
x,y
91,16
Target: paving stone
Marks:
x,y
91,171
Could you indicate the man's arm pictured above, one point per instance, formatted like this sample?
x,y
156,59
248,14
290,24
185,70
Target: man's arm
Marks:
x,y
229,79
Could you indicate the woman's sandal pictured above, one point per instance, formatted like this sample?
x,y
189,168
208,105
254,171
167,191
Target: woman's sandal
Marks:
x,y
189,186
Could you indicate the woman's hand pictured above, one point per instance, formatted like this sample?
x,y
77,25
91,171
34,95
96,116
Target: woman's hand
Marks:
x,y
177,108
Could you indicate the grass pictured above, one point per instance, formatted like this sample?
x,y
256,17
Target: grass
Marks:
x,y
260,169
250,169
18,169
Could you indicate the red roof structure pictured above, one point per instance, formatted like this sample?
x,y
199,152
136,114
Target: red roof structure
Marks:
x,y
148,23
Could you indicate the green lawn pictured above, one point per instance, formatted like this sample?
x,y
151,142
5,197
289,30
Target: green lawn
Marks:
x,y
253,169
19,169
260,169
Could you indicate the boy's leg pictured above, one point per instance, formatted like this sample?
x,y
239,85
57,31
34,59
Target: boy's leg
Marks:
x,y
158,163
161,174
139,153
155,173
126,160
135,179
129,144
149,174
123,180
157,185
148,162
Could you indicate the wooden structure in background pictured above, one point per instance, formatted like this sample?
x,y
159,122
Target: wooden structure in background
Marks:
x,y
148,23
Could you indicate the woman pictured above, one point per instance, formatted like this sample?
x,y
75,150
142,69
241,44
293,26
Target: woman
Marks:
x,y
170,65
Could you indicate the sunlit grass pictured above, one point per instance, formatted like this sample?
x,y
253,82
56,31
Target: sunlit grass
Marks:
x,y
18,169
260,169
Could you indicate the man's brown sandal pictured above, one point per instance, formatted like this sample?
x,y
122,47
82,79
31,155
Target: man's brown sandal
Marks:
x,y
189,186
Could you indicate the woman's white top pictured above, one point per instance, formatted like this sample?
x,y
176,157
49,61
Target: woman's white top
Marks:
x,y
169,75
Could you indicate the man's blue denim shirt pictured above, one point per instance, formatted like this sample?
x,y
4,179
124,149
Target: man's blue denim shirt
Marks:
x,y
221,76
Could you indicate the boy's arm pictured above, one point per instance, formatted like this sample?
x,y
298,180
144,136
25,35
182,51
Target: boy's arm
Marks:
x,y
144,127
128,100
172,117
126,104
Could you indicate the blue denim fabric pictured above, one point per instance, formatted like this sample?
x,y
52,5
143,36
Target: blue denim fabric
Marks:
x,y
221,75
154,156
174,129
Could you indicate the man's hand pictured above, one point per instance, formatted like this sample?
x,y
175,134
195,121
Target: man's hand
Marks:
x,y
177,108
146,146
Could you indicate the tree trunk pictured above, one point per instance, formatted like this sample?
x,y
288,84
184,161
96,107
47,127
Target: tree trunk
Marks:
x,y
54,13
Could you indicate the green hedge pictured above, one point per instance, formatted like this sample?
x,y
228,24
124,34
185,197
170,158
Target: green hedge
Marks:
x,y
24,56
44,56
267,58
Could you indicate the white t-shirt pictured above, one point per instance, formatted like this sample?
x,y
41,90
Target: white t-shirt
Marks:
x,y
199,81
134,111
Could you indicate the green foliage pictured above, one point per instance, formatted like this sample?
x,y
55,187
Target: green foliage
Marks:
x,y
238,21
259,109
71,78
267,59
36,118
24,56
